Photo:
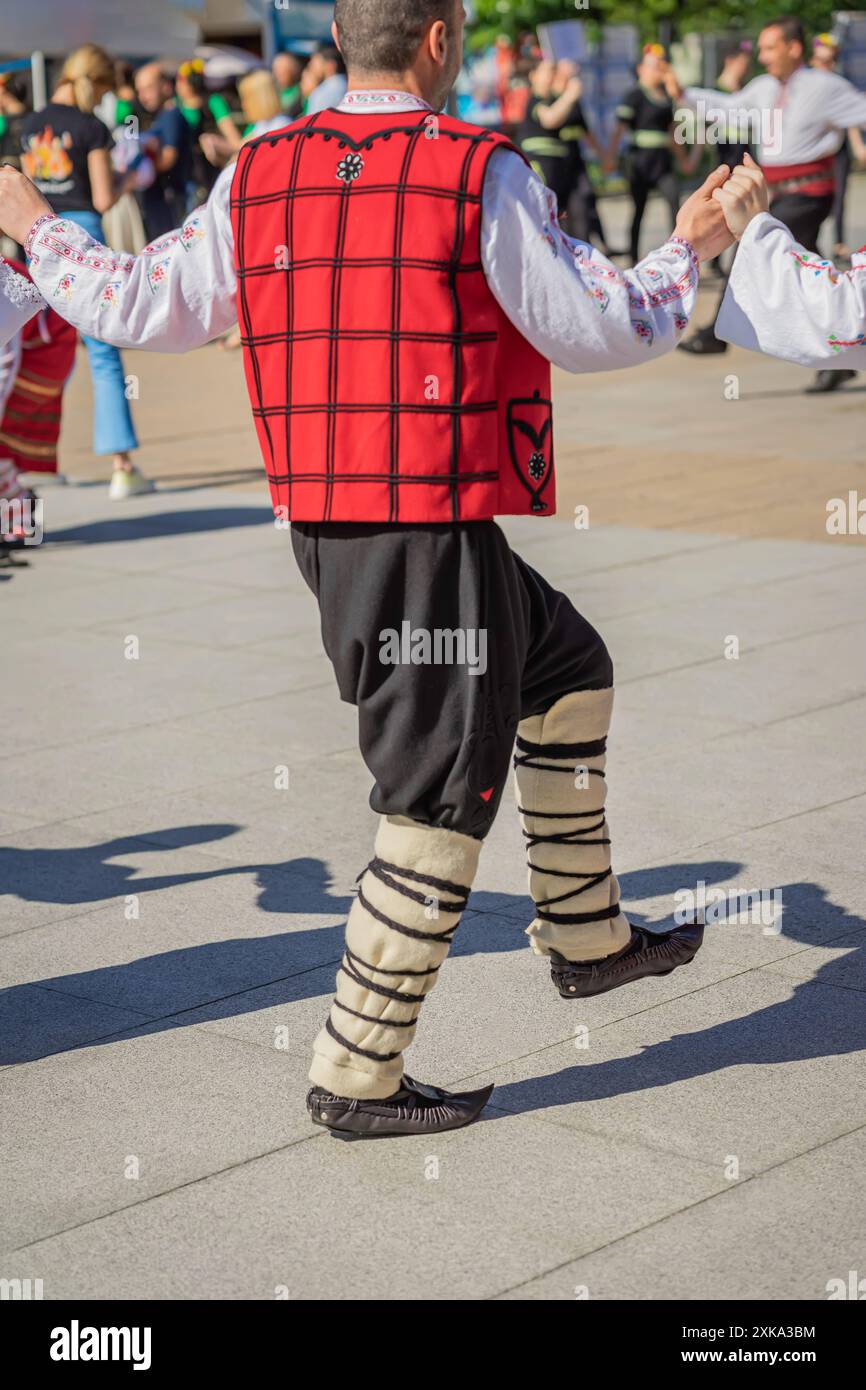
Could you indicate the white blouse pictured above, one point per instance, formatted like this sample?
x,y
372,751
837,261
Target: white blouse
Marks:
x,y
790,303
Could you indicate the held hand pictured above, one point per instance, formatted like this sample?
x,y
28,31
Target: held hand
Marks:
x,y
574,88
20,204
743,197
701,220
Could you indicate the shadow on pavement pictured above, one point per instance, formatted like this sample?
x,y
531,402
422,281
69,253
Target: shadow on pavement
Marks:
x,y
152,525
227,979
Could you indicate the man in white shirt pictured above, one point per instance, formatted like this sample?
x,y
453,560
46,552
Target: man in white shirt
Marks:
x,y
800,114
397,338
326,70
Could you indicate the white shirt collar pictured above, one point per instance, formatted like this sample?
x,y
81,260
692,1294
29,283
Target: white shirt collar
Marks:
x,y
384,100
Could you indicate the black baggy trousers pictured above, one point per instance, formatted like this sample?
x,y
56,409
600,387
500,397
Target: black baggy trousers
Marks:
x,y
444,639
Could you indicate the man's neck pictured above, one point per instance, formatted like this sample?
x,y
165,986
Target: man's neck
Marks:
x,y
389,82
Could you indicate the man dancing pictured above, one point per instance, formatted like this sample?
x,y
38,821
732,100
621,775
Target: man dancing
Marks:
x,y
810,110
402,284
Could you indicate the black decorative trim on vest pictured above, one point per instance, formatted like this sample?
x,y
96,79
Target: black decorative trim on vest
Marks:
x,y
532,455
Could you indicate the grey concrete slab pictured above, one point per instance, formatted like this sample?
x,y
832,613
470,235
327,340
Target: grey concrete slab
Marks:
x,y
416,1219
36,1022
67,780
756,1066
110,1125
266,824
233,622
207,941
841,962
80,599
287,729
828,838
87,685
788,678
785,1234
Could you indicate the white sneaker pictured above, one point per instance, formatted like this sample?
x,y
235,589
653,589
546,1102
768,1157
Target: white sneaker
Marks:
x,y
129,482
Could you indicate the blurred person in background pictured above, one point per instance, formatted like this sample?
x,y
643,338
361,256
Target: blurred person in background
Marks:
x,y
168,142
34,368
546,116
825,57
646,116
66,151
12,112
736,67
287,69
126,103
804,112
206,115
584,221
261,105
324,82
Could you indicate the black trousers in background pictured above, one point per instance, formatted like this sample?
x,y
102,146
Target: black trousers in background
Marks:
x,y
842,170
650,170
437,738
803,216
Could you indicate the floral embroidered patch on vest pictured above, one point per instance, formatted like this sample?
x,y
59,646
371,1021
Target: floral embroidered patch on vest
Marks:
x,y
350,168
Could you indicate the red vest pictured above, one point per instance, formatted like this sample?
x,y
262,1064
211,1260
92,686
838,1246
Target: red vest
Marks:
x,y
386,382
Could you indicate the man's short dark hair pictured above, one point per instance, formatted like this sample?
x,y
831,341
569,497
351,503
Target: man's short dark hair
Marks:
x,y
793,29
385,35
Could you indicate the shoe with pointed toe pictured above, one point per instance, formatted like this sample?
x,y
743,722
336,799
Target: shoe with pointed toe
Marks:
x,y
829,380
648,953
414,1109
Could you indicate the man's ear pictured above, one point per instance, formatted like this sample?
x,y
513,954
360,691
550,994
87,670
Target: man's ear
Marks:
x,y
335,34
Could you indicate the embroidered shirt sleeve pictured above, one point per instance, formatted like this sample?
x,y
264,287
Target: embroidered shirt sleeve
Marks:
x,y
19,301
573,304
178,294
787,302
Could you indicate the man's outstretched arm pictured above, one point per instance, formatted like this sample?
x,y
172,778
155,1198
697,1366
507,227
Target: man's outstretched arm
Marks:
x,y
781,299
177,295
573,304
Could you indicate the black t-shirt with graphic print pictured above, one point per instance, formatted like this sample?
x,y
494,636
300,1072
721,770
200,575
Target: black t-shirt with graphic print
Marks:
x,y
55,143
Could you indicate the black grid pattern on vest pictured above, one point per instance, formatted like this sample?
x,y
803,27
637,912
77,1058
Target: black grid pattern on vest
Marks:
x,y
460,197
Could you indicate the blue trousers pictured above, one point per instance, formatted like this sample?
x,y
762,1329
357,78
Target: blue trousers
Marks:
x,y
113,430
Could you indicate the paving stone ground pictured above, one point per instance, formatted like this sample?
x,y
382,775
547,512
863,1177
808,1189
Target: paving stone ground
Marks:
x,y
170,920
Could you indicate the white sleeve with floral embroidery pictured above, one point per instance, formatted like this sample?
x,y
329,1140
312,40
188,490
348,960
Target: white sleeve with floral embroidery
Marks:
x,y
177,295
572,304
575,306
789,303
19,301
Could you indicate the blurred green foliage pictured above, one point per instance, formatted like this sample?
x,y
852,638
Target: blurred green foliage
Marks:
x,y
654,18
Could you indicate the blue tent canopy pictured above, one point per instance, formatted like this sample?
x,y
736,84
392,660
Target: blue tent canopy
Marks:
x,y
302,25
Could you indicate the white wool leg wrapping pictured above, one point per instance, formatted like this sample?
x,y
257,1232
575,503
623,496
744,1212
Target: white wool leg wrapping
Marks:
x,y
399,932
561,792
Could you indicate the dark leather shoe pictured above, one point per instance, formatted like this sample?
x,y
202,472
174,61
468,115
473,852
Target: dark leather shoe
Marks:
x,y
414,1109
648,953
704,343
828,380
